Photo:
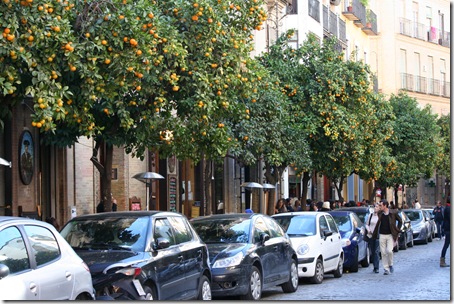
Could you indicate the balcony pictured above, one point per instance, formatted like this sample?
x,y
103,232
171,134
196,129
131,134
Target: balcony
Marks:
x,y
371,23
355,11
423,85
333,25
426,33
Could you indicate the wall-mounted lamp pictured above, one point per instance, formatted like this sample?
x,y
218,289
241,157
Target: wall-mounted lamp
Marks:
x,y
5,162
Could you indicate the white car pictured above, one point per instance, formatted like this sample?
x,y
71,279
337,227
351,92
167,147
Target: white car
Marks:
x,y
317,242
36,263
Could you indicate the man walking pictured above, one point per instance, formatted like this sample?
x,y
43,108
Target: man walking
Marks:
x,y
447,231
388,233
438,216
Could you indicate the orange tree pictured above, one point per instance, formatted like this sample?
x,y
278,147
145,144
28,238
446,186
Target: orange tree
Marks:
x,y
444,156
414,146
332,99
162,75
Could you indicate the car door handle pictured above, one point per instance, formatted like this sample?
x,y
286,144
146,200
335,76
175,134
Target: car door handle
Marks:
x,y
180,258
33,287
69,276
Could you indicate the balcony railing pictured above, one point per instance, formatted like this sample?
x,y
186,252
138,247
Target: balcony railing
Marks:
x,y
423,85
371,23
427,33
334,25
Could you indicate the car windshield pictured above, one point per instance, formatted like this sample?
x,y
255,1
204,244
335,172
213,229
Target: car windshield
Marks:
x,y
231,230
297,225
109,233
414,215
343,222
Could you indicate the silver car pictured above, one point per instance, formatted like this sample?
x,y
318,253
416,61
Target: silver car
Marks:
x,y
36,263
421,226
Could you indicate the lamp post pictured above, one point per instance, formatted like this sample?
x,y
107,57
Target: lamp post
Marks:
x,y
4,162
147,178
250,186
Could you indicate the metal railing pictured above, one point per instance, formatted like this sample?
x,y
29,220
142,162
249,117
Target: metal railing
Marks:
x,y
423,85
427,33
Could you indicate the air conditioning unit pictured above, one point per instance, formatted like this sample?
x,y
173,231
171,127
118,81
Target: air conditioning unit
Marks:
x,y
335,2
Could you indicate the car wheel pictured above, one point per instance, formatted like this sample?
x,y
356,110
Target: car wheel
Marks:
x,y
204,289
354,267
426,240
319,272
255,285
292,284
150,293
430,237
340,268
366,261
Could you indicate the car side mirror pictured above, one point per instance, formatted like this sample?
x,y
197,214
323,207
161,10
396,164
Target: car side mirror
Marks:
x,y
264,237
327,233
4,271
161,243
358,229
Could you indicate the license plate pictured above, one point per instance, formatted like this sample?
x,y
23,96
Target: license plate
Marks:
x,y
139,287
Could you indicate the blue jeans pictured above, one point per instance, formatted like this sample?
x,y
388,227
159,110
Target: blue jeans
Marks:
x,y
374,249
439,230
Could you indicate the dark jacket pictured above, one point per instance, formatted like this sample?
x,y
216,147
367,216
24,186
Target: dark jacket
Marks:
x,y
447,219
438,214
393,217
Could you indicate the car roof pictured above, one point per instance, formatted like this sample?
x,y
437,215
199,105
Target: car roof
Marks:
x,y
120,214
227,216
7,220
355,209
340,212
300,213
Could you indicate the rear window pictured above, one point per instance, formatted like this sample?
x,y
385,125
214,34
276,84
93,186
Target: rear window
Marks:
x,y
108,233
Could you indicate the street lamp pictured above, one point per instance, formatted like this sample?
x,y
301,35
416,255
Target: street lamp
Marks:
x,y
147,178
251,185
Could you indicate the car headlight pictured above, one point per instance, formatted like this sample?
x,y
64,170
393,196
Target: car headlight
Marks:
x,y
346,242
230,261
303,249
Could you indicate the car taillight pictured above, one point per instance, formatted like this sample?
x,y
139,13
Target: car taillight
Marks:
x,y
85,266
132,271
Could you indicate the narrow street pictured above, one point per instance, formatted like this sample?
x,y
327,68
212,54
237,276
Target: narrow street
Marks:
x,y
417,277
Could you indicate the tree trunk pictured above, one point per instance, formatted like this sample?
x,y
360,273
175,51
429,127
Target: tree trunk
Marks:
x,y
208,173
305,181
105,171
339,188
396,189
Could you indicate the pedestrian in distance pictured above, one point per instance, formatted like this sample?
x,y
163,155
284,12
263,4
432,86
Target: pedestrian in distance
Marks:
x,y
447,231
438,217
387,232
374,244
326,206
313,206
280,206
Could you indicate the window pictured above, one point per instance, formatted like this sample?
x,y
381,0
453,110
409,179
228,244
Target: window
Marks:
x,y
163,229
332,224
275,229
260,227
181,229
12,250
45,246
323,225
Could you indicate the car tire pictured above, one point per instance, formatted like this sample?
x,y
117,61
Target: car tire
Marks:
x,y
292,284
340,268
366,261
255,286
204,289
354,267
426,240
150,293
319,272
430,239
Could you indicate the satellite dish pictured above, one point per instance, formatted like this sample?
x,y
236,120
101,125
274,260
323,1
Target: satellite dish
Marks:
x,y
334,2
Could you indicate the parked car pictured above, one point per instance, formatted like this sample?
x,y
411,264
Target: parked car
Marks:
x,y
352,230
36,263
170,259
420,225
317,242
362,212
406,234
249,252
430,216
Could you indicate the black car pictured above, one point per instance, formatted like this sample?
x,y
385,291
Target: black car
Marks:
x,y
406,234
248,253
172,260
